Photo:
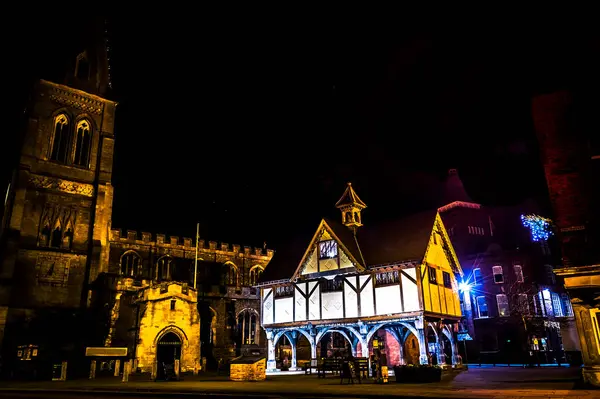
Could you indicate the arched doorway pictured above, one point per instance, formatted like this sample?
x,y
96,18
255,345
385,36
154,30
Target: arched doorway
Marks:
x,y
168,350
334,344
411,349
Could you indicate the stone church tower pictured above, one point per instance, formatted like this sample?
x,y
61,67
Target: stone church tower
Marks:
x,y
54,234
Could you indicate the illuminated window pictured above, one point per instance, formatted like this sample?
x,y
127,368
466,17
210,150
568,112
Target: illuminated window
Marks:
x,y
557,305
328,249
447,280
60,139
502,301
518,273
498,275
567,307
477,278
385,278
482,308
131,264
432,275
284,290
83,139
255,273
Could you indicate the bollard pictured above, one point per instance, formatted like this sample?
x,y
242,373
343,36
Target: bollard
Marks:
x,y
126,370
93,370
196,365
117,367
63,371
177,369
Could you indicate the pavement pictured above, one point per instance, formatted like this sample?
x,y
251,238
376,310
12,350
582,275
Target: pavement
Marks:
x,y
494,383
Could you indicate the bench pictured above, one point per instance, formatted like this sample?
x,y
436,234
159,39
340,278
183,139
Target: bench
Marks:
x,y
330,364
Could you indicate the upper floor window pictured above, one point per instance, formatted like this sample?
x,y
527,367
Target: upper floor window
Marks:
x,y
164,268
557,305
477,278
432,275
447,280
522,304
482,308
83,139
328,249
284,290
336,284
518,273
476,230
255,273
392,277
60,139
131,264
230,275
503,310
248,327
498,275
82,67
567,308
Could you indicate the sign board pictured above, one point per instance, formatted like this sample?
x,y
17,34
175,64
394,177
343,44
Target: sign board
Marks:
x,y
464,336
102,351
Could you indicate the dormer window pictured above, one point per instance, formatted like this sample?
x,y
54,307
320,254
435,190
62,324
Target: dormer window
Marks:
x,y
328,249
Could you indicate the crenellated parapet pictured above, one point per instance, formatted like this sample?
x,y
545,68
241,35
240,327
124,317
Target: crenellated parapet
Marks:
x,y
185,244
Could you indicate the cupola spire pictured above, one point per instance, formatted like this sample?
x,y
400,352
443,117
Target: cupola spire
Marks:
x,y
351,206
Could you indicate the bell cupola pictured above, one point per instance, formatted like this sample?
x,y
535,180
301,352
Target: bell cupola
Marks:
x,y
351,206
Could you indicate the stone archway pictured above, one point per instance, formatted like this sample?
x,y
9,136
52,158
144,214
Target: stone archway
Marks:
x,y
168,350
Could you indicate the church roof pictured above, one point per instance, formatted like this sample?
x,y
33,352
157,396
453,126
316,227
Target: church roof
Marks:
x,y
454,190
396,241
350,198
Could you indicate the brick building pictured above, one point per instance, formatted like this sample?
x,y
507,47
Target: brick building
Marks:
x,y
69,281
512,302
567,131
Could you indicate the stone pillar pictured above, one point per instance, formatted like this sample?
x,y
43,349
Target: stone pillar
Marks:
x,y
313,348
177,368
441,354
271,363
364,347
117,367
589,345
423,358
293,337
93,370
154,370
63,371
126,370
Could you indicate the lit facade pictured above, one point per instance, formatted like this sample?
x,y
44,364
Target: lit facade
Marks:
x,y
395,281
70,281
515,309
571,157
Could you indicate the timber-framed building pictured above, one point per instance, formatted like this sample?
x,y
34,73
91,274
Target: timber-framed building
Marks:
x,y
396,281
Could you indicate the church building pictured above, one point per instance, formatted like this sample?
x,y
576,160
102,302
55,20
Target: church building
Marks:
x,y
333,292
74,289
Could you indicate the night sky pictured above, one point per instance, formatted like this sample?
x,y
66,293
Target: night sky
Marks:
x,y
253,129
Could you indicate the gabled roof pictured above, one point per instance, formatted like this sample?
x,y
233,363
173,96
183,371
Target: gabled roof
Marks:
x,y
454,190
350,198
396,241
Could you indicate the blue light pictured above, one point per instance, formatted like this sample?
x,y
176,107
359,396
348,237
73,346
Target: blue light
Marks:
x,y
539,227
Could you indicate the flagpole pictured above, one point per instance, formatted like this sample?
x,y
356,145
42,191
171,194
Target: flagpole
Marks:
x,y
196,258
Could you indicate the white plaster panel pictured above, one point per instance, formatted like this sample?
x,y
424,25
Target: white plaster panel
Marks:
x,y
351,301
332,305
267,308
388,300
310,265
300,305
314,304
284,310
366,298
410,293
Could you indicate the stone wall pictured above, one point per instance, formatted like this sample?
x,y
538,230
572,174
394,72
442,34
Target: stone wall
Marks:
x,y
159,319
249,371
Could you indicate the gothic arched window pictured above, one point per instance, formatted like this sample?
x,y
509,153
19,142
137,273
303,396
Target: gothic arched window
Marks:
x,y
230,275
164,268
83,139
255,273
247,326
131,264
82,67
60,139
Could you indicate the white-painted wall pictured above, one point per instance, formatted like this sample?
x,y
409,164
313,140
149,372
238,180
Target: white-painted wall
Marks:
x,y
388,300
366,297
332,305
284,310
351,302
410,292
314,302
267,308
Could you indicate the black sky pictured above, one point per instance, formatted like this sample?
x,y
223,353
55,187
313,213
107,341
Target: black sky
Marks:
x,y
254,128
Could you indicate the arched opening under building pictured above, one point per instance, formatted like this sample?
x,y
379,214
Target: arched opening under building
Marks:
x,y
168,349
208,334
334,344
284,350
399,344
